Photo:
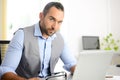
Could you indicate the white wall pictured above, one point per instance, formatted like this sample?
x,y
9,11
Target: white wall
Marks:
x,y
115,17
0,19
92,17
86,17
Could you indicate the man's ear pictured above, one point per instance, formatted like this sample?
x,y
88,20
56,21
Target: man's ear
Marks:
x,y
41,15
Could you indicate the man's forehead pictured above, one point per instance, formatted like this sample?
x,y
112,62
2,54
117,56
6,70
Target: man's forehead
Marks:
x,y
56,13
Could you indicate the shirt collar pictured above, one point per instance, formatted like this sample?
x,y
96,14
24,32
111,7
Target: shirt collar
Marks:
x,y
37,32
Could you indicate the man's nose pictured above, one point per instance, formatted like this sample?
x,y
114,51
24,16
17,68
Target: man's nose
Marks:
x,y
54,25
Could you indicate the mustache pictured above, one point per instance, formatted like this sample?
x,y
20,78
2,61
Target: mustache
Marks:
x,y
51,29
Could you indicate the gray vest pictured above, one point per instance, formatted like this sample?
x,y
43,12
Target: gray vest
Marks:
x,y
29,65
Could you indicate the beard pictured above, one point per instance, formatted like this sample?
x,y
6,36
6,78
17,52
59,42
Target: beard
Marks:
x,y
47,31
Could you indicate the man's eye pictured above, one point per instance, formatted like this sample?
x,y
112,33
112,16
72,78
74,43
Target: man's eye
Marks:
x,y
51,19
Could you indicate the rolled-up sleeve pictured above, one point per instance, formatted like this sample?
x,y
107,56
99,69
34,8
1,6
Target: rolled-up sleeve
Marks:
x,y
68,58
13,54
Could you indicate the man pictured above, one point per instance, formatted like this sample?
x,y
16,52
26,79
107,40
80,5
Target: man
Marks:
x,y
34,51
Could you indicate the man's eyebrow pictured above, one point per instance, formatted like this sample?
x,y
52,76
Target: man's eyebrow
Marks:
x,y
55,19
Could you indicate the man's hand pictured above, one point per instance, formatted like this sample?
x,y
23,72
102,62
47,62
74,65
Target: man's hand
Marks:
x,y
37,78
72,69
12,76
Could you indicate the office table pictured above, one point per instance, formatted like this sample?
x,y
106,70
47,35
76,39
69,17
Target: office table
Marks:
x,y
113,73
114,78
113,70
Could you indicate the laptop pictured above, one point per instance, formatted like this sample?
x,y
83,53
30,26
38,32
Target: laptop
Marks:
x,y
92,65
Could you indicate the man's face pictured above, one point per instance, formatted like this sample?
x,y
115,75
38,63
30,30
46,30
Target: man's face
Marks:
x,y
51,22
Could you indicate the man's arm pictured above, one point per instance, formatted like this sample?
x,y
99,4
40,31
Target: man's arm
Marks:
x,y
12,76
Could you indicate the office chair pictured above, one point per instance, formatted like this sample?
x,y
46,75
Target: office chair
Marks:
x,y
3,47
0,56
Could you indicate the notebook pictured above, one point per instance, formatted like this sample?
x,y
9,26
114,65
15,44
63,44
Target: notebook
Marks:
x,y
92,65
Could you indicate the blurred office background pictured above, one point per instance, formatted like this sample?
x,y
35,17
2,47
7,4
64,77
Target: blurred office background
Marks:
x,y
82,17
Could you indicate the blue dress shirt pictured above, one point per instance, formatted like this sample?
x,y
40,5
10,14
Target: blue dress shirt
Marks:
x,y
14,53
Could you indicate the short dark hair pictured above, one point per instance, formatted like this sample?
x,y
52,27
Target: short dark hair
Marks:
x,y
58,5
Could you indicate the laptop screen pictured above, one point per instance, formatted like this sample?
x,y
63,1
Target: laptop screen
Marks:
x,y
90,42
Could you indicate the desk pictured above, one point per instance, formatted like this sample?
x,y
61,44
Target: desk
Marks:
x,y
113,70
114,78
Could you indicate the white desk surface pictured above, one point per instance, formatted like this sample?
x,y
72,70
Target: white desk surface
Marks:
x,y
113,71
114,78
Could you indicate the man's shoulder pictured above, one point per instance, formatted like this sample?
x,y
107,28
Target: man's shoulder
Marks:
x,y
29,27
